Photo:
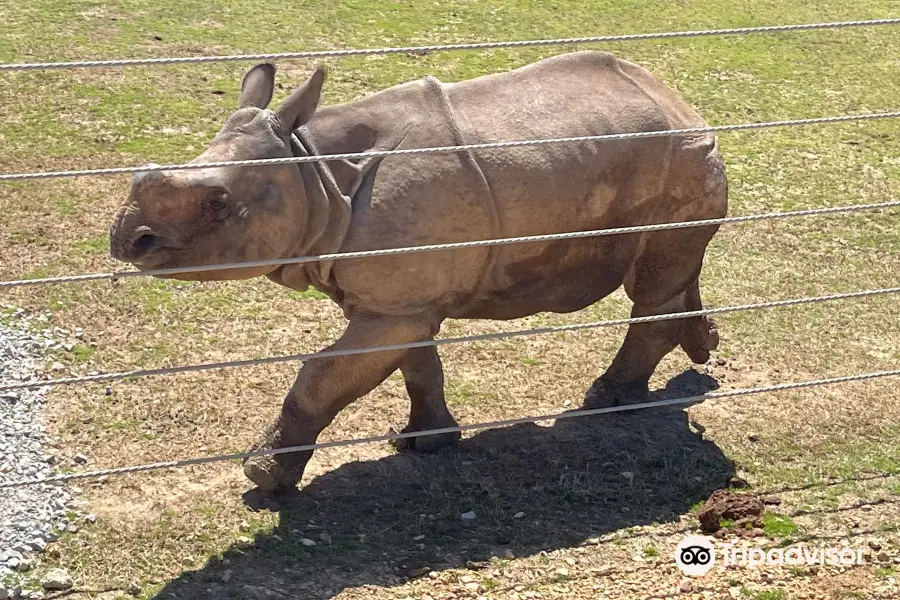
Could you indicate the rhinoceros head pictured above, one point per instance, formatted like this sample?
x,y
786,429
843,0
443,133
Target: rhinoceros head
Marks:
x,y
220,215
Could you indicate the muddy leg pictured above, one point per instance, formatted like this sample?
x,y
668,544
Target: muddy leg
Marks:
x,y
424,377
700,335
646,344
323,388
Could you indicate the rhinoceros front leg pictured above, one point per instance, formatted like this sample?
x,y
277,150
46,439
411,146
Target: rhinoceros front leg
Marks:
x,y
424,377
324,387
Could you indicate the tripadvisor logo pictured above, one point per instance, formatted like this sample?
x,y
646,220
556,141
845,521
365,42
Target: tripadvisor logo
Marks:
x,y
695,555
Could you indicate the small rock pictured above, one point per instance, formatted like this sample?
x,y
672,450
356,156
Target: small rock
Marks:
x,y
24,565
874,545
686,586
51,536
518,515
883,557
38,545
13,563
56,579
866,508
307,542
473,586
738,483
562,572
753,437
433,575
91,518
421,571
466,579
4,595
226,576
628,475
468,516
72,528
509,554
134,589
243,542
80,459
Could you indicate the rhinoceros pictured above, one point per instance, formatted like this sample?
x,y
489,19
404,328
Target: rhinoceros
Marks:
x,y
214,215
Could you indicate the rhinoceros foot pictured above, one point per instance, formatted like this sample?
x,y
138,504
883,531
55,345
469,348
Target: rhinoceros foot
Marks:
x,y
427,443
700,340
604,394
275,473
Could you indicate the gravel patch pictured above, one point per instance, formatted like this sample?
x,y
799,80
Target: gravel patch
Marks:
x,y
32,517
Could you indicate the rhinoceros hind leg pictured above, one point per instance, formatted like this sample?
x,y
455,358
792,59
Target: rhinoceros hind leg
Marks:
x,y
424,377
701,335
627,378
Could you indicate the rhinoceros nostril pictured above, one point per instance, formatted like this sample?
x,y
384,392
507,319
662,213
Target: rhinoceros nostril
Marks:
x,y
145,244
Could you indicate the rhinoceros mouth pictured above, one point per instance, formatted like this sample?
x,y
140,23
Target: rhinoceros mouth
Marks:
x,y
163,257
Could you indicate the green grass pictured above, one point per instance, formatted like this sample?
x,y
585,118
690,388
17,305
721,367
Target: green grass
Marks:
x,y
777,526
308,294
885,572
466,394
766,595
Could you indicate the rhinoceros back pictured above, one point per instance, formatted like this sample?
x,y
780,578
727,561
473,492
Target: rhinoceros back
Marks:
x,y
528,190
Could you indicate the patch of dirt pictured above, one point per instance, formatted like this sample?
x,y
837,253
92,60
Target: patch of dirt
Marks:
x,y
144,500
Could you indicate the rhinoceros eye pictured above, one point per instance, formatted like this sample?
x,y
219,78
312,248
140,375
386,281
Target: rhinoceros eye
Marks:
x,y
217,204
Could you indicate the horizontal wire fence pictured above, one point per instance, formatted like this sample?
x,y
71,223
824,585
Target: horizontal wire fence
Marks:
x,y
259,162
629,37
813,212
105,377
459,428
480,243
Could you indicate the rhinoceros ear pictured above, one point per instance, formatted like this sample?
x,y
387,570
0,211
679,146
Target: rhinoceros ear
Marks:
x,y
258,85
300,105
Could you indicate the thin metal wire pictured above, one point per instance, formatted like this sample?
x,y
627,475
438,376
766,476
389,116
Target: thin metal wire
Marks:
x,y
459,428
257,162
452,246
104,377
129,62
